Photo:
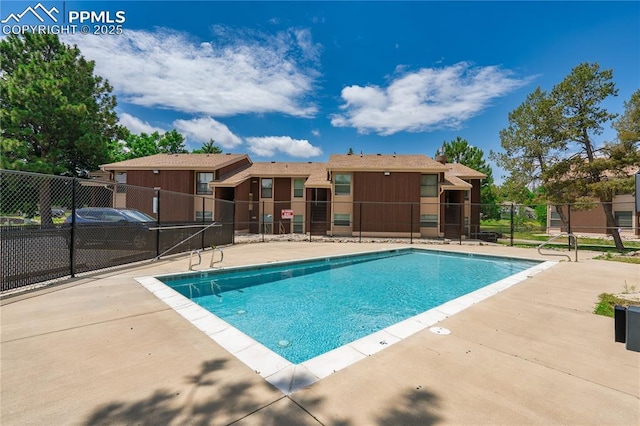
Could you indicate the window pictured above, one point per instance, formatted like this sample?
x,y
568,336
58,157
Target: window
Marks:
x,y
342,184
342,219
298,223
428,220
298,188
121,178
202,183
555,221
267,188
429,185
466,195
208,216
623,219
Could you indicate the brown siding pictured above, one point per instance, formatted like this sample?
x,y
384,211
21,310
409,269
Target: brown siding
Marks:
x,y
232,167
474,220
453,217
588,221
242,204
173,207
254,213
442,211
282,200
169,180
223,211
371,193
176,207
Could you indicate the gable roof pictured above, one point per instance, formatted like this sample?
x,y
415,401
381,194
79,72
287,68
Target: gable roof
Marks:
x,y
463,172
452,182
315,173
405,163
206,162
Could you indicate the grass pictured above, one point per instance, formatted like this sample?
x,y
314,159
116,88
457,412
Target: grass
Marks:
x,y
607,301
623,259
29,221
528,236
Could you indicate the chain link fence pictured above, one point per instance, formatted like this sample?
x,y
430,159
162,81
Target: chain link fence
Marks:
x,y
53,227
508,222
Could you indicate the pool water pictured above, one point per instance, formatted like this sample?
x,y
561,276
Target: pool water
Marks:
x,y
303,309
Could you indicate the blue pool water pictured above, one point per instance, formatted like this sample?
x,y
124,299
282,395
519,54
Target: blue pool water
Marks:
x,y
301,310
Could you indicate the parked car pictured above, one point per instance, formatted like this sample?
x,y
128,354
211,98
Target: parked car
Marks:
x,y
106,226
57,212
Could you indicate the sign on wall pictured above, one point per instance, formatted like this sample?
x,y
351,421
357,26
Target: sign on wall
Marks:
x,y
287,213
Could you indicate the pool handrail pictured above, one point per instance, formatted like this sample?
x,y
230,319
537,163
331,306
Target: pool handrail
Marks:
x,y
564,234
186,239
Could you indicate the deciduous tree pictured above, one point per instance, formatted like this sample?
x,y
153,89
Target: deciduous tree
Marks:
x,y
208,148
552,141
56,116
143,145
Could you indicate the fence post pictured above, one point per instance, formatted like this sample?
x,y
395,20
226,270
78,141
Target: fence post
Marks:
x,y
512,223
158,223
233,222
411,224
360,220
72,240
204,206
461,221
261,221
569,226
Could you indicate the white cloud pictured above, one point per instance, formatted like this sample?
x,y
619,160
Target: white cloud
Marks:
x,y
135,125
203,129
304,41
430,98
315,132
268,146
235,74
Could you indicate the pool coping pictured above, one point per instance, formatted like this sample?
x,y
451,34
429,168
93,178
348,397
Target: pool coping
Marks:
x,y
288,377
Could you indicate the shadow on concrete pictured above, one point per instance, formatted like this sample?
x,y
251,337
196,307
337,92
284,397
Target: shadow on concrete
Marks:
x,y
222,404
415,407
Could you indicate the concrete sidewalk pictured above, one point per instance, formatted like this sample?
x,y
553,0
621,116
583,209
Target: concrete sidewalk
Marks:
x,y
104,350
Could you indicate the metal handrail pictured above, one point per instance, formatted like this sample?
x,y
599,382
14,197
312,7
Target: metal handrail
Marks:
x,y
575,241
186,239
213,252
191,265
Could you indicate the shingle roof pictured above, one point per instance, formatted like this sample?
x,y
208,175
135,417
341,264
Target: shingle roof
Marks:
x,y
315,173
406,163
462,171
452,182
176,162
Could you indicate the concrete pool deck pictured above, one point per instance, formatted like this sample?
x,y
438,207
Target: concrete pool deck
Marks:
x,y
104,350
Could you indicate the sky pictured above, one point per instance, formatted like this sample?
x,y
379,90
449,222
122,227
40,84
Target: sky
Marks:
x,y
299,81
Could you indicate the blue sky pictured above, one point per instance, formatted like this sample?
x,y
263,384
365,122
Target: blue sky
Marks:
x,y
298,81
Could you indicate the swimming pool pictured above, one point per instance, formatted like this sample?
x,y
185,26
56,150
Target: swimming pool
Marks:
x,y
314,317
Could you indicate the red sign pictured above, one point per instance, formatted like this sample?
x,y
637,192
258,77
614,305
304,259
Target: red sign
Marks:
x,y
287,213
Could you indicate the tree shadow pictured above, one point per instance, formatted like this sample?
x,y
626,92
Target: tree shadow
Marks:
x,y
416,407
165,406
214,399
211,398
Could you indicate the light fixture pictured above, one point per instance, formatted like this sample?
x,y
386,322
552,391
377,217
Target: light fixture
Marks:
x,y
387,173
156,171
